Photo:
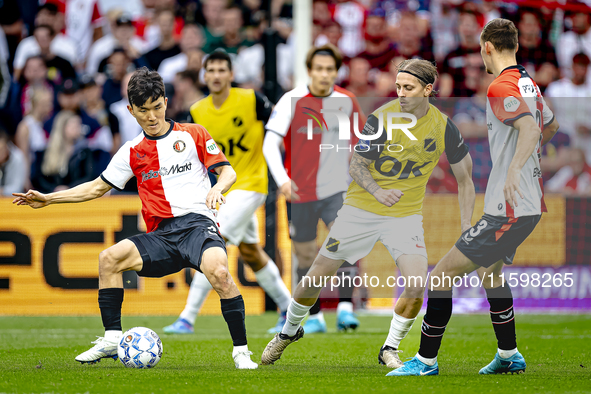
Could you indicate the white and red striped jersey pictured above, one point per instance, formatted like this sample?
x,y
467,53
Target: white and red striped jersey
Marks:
x,y
318,173
512,95
171,171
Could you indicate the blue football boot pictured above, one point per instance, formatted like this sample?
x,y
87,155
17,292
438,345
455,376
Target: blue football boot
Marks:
x,y
415,367
180,326
280,323
346,320
513,364
315,325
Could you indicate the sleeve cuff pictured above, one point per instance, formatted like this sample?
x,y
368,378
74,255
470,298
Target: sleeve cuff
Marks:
x,y
551,120
509,122
216,165
110,184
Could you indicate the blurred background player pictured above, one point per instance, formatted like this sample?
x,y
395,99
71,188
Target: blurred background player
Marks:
x,y
235,118
513,206
313,181
386,205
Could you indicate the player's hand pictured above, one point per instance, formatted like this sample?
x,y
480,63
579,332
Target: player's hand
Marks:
x,y
388,197
32,198
214,197
289,189
512,187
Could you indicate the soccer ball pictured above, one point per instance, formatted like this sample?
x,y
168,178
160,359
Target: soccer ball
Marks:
x,y
140,347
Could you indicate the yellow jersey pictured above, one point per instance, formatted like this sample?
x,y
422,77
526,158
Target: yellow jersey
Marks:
x,y
403,164
238,129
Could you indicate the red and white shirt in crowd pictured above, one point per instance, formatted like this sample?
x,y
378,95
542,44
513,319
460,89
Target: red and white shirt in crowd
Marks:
x,y
171,171
319,166
82,17
566,180
511,96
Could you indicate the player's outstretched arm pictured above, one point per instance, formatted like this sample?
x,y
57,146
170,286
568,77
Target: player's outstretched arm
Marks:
x,y
227,177
466,194
529,136
359,171
549,131
84,192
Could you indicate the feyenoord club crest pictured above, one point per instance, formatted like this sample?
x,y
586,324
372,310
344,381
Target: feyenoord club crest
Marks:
x,y
179,146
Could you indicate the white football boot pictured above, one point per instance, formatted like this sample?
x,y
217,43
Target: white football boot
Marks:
x,y
389,357
102,349
275,348
242,360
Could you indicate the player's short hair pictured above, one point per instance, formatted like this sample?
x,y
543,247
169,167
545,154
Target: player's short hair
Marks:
x,y
218,54
144,85
421,69
502,33
327,50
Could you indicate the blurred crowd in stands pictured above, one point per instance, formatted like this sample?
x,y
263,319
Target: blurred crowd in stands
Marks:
x,y
64,67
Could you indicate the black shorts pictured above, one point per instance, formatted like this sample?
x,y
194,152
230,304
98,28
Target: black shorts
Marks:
x,y
177,243
495,238
305,216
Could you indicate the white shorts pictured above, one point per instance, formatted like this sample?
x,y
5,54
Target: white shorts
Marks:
x,y
355,232
237,219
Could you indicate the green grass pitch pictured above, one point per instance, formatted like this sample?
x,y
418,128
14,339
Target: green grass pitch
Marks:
x,y
37,356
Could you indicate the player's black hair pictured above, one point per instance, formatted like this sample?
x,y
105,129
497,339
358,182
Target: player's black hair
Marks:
x,y
144,85
502,33
328,50
218,54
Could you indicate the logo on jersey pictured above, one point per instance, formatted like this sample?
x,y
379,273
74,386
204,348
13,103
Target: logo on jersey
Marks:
x,y
537,173
511,104
430,145
179,146
211,147
140,157
237,121
332,245
163,171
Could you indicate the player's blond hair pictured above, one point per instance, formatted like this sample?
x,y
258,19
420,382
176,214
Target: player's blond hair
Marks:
x,y
423,70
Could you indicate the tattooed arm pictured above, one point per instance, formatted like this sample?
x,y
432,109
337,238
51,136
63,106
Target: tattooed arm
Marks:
x,y
359,171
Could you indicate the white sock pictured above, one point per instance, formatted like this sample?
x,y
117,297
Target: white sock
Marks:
x,y
344,306
238,349
295,314
429,361
200,288
507,353
270,280
113,335
399,327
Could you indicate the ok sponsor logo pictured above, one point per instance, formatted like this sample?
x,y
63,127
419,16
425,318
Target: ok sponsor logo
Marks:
x,y
163,171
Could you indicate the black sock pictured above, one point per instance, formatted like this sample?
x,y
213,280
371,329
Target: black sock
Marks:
x,y
233,311
502,316
439,308
110,301
315,308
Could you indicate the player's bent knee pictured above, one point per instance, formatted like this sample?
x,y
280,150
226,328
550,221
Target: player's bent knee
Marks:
x,y
107,262
414,292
